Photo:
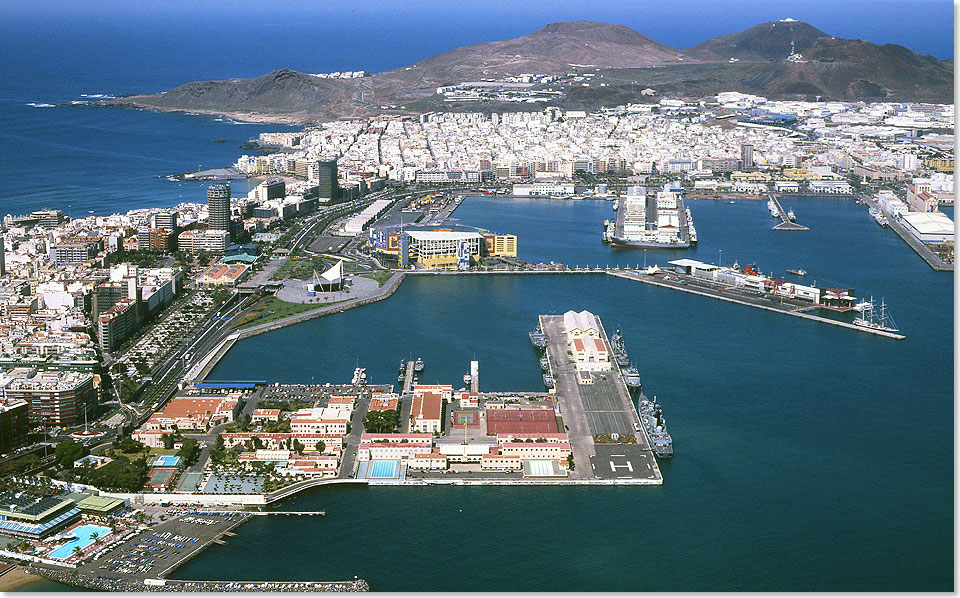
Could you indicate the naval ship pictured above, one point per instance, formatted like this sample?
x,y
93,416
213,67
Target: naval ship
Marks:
x,y
651,418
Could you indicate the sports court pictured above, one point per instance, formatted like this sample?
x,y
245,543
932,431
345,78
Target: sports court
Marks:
x,y
381,469
160,477
521,421
466,421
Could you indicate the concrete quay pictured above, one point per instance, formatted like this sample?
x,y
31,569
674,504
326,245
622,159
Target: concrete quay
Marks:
x,y
683,284
597,403
932,259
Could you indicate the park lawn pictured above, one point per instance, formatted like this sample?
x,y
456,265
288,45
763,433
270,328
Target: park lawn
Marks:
x,y
271,309
381,276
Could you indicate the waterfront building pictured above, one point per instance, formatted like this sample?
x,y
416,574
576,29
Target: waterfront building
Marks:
x,y
272,189
218,207
54,398
443,249
35,518
194,413
929,227
583,339
426,416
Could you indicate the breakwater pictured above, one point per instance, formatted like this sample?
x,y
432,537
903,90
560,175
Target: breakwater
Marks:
x,y
101,583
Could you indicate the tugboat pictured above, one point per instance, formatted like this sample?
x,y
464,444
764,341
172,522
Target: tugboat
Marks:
x,y
418,365
791,215
548,380
651,417
619,351
544,363
538,339
632,378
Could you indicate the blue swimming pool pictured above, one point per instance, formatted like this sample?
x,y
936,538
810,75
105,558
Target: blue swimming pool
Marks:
x,y
383,469
84,538
166,461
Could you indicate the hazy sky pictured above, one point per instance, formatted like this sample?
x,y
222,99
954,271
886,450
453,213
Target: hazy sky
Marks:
x,y
922,25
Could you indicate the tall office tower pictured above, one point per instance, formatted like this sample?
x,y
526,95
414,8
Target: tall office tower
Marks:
x,y
3,258
327,180
218,207
746,155
166,220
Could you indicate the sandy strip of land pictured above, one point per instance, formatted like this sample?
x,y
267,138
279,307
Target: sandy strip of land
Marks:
x,y
15,578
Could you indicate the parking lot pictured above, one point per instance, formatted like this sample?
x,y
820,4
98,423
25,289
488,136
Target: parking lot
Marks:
x,y
151,553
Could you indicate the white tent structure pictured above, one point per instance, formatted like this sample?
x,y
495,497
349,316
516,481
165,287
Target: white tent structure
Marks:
x,y
331,280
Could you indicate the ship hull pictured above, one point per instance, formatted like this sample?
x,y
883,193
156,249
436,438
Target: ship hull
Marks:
x,y
615,242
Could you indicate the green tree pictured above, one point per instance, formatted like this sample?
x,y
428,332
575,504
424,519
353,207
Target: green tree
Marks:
x,y
320,446
167,440
297,446
189,452
69,451
257,443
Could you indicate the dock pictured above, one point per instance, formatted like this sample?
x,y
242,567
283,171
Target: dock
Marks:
x,y
932,259
684,284
408,379
786,223
598,403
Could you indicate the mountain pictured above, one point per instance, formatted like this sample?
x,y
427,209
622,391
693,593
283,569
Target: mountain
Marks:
x,y
766,41
620,59
556,49
859,70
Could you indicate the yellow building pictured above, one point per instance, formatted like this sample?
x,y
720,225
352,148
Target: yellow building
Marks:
x,y
797,174
756,177
939,164
502,246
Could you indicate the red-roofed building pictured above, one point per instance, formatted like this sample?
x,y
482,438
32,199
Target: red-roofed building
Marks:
x,y
427,412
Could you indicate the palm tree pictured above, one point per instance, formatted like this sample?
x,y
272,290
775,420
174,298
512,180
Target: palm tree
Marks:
x,y
95,537
77,550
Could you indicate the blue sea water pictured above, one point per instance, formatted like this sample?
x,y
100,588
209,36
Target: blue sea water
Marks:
x,y
808,457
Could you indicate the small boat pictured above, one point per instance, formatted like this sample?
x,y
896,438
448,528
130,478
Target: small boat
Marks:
x,y
544,363
418,365
631,377
548,380
538,339
467,379
731,201
800,272
791,215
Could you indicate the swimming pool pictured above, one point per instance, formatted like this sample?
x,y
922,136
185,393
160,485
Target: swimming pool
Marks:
x,y
84,538
166,461
383,469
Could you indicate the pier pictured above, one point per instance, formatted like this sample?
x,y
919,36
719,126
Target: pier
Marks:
x,y
786,223
598,403
932,259
408,378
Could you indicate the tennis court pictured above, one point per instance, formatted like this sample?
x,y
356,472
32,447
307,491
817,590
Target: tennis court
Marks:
x,y
521,421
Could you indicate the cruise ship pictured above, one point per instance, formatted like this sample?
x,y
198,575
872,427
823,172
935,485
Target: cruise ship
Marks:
x,y
651,221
